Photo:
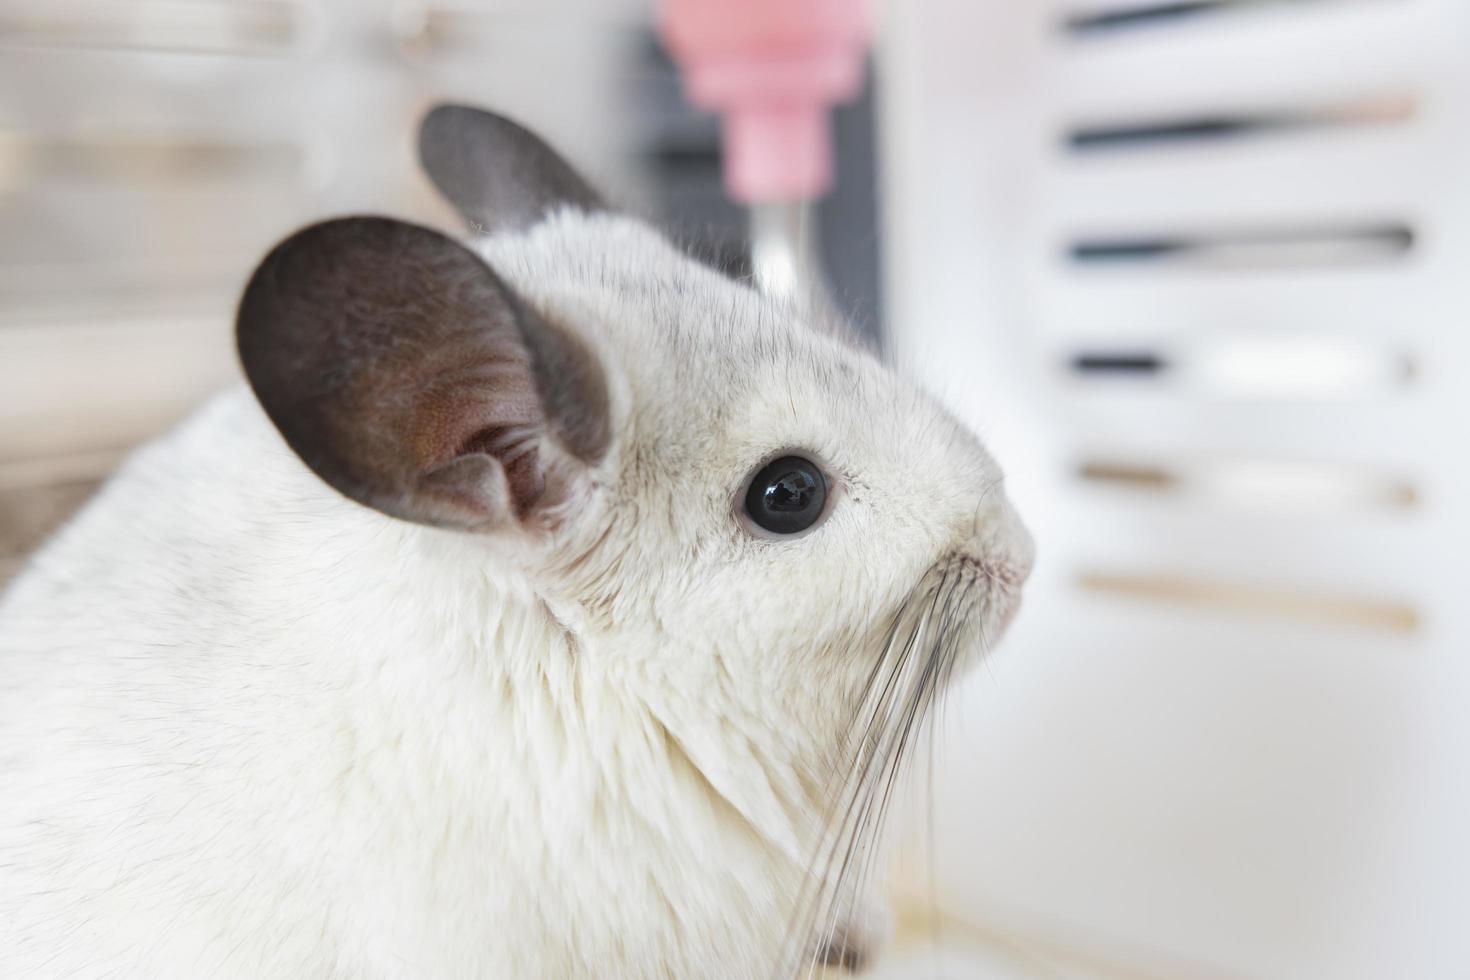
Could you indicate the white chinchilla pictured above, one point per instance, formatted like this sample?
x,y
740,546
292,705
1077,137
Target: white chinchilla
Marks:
x,y
550,605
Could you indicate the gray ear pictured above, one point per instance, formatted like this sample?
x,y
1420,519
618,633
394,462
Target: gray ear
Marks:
x,y
403,371
498,174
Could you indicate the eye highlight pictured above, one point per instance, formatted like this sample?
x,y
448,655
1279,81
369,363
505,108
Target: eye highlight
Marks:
x,y
787,495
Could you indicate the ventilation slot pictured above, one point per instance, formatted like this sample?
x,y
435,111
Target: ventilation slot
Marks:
x,y
253,27
1267,367
29,159
1265,484
1119,364
457,31
1285,248
1229,127
1252,599
1119,17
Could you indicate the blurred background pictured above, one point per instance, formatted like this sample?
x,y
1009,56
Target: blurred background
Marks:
x,y
1197,270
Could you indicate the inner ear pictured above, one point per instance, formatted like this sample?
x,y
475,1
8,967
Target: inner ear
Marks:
x,y
498,174
407,375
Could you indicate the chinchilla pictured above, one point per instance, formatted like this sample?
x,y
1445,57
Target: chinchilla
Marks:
x,y
548,605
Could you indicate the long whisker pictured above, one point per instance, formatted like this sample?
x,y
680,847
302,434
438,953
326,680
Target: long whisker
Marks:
x,y
915,708
870,725
912,703
920,649
807,895
929,849
874,751
876,784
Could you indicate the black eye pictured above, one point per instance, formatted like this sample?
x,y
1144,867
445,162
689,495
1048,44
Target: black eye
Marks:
x,y
787,495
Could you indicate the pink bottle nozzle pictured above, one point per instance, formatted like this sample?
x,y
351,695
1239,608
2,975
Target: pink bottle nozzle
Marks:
x,y
777,153
773,68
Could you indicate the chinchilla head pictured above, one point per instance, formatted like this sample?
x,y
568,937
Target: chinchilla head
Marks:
x,y
744,521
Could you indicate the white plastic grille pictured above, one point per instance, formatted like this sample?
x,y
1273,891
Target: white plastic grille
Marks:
x,y
1198,270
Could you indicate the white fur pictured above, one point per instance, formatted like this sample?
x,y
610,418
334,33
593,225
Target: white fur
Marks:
x,y
251,729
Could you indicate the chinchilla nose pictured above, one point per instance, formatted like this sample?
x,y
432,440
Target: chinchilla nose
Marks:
x,y
1002,538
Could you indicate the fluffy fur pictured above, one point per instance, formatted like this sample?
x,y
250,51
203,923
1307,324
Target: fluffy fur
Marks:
x,y
249,728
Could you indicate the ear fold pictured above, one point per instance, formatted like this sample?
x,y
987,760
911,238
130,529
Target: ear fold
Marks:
x,y
498,174
403,371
